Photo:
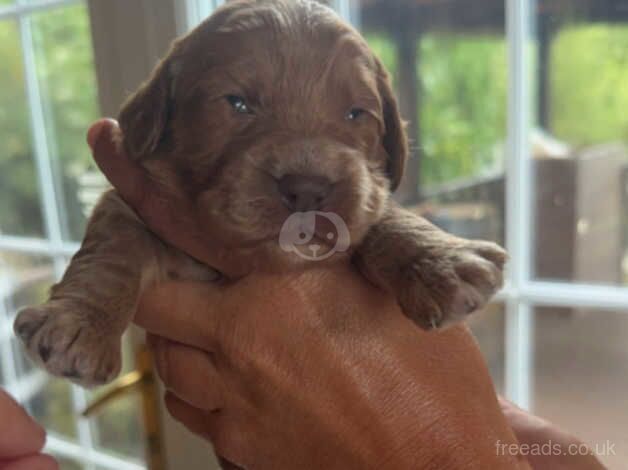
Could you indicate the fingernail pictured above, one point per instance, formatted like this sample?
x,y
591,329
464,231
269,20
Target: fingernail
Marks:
x,y
94,132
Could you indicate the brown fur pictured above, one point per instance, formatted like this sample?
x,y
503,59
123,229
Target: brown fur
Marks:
x,y
301,71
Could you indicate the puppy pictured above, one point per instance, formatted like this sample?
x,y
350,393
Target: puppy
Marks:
x,y
269,110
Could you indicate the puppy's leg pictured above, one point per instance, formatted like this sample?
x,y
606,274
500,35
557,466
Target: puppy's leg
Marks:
x,y
437,278
76,334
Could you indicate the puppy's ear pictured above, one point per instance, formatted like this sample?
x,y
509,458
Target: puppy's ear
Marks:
x,y
395,138
144,116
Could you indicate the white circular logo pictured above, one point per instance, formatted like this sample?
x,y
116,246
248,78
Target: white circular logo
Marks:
x,y
314,235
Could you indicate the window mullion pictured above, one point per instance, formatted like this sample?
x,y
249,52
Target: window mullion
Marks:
x,y
349,10
557,294
38,128
61,446
192,12
38,246
519,223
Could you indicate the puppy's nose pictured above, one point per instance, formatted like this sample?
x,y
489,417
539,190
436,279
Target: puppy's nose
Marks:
x,y
304,193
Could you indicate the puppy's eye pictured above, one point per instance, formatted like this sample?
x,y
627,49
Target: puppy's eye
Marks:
x,y
354,114
239,104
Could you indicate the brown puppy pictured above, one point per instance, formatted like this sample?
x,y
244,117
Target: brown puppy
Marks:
x,y
279,122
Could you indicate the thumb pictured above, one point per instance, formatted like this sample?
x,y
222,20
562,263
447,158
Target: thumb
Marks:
x,y
104,138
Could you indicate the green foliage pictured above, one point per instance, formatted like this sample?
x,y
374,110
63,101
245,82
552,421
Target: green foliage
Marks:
x,y
385,50
463,107
589,77
462,101
464,85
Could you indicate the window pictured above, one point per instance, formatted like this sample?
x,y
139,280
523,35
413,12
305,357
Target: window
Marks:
x,y
48,95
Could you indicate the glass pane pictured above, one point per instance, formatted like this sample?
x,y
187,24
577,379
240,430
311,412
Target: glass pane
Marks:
x,y
67,464
119,427
65,69
29,278
24,279
488,327
449,65
581,376
581,143
20,212
52,407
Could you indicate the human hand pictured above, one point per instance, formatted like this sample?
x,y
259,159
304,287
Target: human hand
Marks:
x,y
562,450
21,439
321,371
316,370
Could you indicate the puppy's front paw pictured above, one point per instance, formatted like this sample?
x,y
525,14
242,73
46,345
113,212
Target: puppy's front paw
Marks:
x,y
442,285
62,339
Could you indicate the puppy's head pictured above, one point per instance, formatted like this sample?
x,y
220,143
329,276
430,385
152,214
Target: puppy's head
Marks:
x,y
271,107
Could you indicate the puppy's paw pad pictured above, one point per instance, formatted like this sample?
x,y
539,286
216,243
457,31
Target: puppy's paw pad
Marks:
x,y
476,274
466,299
441,290
64,342
416,297
480,268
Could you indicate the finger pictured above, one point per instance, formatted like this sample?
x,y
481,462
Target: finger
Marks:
x,y
227,439
188,373
171,216
194,419
125,175
184,312
19,434
32,462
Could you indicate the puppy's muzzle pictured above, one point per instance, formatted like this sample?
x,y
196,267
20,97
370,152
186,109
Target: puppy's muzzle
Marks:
x,y
301,193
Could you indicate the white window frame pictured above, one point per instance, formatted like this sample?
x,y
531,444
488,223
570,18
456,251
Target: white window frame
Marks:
x,y
523,293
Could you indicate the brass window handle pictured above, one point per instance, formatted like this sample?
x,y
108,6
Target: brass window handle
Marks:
x,y
122,386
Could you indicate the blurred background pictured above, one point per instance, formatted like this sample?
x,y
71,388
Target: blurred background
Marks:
x,y
518,115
